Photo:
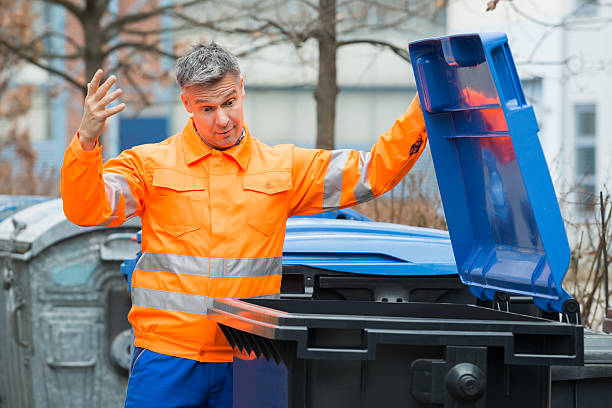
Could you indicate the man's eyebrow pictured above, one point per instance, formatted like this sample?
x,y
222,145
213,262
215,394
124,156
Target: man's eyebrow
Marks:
x,y
224,98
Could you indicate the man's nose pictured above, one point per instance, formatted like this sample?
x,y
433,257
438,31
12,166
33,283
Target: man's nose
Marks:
x,y
221,118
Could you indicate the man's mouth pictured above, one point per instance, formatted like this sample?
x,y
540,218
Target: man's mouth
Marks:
x,y
226,133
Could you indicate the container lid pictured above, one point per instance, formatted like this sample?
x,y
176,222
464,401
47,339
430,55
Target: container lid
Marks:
x,y
28,232
500,205
367,247
10,204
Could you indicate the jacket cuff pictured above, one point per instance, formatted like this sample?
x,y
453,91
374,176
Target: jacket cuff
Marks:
x,y
81,154
415,115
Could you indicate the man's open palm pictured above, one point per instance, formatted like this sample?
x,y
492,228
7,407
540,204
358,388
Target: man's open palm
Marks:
x,y
95,112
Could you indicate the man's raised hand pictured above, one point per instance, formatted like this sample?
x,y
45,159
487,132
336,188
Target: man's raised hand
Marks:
x,y
95,112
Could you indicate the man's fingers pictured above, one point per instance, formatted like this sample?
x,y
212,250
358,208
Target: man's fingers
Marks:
x,y
103,89
110,97
95,82
114,110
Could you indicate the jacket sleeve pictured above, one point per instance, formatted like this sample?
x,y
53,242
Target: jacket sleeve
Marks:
x,y
94,194
327,180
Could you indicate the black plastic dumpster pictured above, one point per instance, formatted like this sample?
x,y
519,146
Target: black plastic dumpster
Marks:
x,y
590,385
296,353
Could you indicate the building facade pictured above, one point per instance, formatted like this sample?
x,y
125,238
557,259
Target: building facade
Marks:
x,y
562,56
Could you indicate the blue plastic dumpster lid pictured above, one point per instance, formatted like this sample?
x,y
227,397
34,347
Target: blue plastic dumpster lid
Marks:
x,y
501,209
367,247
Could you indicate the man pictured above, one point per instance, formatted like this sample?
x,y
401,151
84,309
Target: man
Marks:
x,y
213,202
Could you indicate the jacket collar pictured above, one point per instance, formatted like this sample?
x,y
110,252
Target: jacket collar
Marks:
x,y
195,149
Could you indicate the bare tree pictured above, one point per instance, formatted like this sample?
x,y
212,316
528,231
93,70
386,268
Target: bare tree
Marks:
x,y
17,176
128,40
95,35
587,277
333,24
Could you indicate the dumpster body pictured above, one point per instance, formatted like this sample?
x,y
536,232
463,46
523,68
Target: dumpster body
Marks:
x,y
297,353
63,309
509,245
588,385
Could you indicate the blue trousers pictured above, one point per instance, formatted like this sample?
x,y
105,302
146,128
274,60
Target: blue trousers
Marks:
x,y
158,380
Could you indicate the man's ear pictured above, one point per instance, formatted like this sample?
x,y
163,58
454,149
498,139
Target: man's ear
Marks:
x,y
242,86
186,102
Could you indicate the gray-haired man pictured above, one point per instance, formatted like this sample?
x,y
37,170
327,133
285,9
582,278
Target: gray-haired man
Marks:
x,y
213,202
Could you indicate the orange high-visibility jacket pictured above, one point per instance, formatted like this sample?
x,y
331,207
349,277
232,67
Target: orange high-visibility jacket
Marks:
x,y
213,222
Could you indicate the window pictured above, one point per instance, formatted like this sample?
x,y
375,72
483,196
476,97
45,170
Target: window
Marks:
x,y
141,130
38,119
532,88
586,7
584,156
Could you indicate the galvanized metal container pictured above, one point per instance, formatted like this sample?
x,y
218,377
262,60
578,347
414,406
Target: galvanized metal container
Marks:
x,y
63,306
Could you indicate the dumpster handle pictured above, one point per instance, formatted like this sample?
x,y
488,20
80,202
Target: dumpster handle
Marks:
x,y
15,324
107,253
338,351
71,364
118,236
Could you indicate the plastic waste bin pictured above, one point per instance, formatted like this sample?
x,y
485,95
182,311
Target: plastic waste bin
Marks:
x,y
300,353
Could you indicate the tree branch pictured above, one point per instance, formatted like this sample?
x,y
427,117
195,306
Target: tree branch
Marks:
x,y
137,17
143,95
159,31
257,48
51,33
309,4
138,46
401,52
17,51
296,37
69,6
31,49
50,55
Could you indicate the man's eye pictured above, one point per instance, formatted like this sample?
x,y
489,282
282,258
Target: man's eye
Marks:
x,y
230,102
207,109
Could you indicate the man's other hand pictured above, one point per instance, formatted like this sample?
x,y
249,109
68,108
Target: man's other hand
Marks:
x,y
95,112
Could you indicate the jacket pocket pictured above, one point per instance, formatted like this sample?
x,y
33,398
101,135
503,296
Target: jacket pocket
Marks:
x,y
267,199
178,201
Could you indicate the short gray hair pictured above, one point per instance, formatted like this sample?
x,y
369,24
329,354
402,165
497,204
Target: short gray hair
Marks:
x,y
205,64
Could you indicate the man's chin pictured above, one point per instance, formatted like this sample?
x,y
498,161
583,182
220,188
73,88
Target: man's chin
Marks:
x,y
227,142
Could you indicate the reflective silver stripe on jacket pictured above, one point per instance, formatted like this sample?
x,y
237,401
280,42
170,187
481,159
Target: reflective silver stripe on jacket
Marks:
x,y
213,267
362,190
177,302
116,185
332,188
332,183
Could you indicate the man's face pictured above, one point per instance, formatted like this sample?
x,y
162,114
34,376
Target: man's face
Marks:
x,y
217,110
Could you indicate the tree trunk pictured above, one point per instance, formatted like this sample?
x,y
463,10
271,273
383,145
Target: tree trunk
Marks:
x,y
327,89
92,37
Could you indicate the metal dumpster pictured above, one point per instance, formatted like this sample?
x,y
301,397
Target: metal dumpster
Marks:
x,y
508,238
63,309
10,204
